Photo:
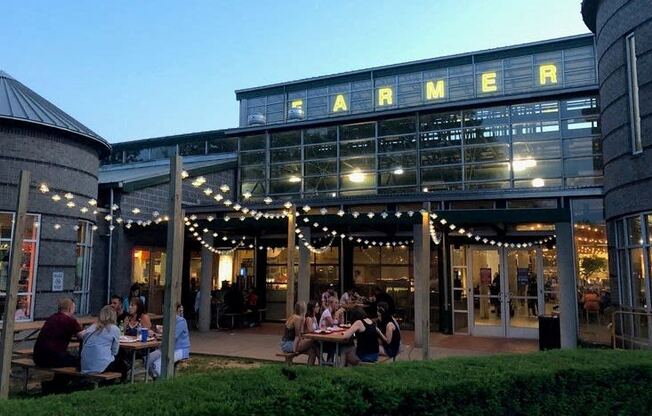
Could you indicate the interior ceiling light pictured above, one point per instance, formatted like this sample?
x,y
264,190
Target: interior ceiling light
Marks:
x,y
357,176
538,183
399,171
521,165
294,179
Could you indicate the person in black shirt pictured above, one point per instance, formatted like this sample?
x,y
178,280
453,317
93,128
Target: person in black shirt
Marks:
x,y
367,334
234,300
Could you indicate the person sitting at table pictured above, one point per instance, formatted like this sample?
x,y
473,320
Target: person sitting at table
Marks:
x,y
101,343
234,300
327,316
390,333
22,309
328,293
116,305
137,318
312,322
181,345
51,347
381,296
292,342
349,297
367,335
134,292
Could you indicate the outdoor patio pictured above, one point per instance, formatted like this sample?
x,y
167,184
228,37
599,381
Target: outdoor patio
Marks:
x,y
262,343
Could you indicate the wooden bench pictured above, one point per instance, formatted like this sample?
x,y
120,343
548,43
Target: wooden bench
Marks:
x,y
26,352
95,378
28,364
288,356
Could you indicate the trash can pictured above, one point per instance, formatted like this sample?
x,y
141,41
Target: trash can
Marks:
x,y
549,332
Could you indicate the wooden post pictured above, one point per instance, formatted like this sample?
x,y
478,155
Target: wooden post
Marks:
x,y
174,267
15,257
289,297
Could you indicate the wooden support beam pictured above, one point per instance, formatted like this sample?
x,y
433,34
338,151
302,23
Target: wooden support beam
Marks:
x,y
15,257
289,298
173,267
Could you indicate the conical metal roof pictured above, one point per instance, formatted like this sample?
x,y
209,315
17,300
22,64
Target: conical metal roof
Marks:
x,y
18,102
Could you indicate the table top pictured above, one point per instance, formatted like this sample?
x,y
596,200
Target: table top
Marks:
x,y
137,345
336,336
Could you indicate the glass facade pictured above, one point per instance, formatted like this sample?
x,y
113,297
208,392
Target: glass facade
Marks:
x,y
28,264
633,250
550,144
571,67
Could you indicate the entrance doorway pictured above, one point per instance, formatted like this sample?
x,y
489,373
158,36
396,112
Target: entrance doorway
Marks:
x,y
504,288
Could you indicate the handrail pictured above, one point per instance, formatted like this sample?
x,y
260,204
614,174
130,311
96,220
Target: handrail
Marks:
x,y
631,338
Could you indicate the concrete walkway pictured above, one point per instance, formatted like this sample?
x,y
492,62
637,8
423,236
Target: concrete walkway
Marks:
x,y
262,343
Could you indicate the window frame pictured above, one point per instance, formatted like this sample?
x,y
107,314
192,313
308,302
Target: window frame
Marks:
x,y
633,94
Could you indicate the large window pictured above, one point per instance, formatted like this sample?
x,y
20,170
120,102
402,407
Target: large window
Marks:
x,y
548,144
28,264
388,267
633,240
592,270
84,252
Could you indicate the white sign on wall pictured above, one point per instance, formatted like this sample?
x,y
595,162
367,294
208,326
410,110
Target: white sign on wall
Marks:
x,y
57,281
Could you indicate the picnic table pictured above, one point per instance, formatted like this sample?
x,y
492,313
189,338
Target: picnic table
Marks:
x,y
34,327
334,335
132,345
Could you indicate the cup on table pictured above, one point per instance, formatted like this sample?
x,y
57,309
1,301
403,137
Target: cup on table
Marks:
x,y
159,329
144,334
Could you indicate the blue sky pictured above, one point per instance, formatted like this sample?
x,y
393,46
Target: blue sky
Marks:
x,y
138,69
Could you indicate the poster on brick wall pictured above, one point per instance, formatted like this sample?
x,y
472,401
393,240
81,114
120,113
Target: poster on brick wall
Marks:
x,y
57,281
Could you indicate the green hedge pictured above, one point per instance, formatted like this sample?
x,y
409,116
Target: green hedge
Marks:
x,y
583,382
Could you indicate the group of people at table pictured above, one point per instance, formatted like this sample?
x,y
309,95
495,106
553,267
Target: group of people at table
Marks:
x,y
366,335
100,342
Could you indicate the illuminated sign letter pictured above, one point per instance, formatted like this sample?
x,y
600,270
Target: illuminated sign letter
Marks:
x,y
489,82
385,96
297,104
547,74
435,89
339,104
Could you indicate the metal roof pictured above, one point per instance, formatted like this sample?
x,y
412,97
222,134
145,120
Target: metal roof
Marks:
x,y
138,175
18,102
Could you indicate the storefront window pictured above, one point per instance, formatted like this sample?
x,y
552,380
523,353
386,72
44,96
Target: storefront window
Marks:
x,y
389,268
148,270
24,306
324,271
83,265
591,265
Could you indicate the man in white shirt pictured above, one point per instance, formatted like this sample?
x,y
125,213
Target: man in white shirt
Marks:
x,y
348,297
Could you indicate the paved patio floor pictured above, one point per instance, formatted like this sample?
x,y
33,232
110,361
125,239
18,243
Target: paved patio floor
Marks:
x,y
262,343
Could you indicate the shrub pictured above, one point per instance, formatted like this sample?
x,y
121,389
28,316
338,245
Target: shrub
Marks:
x,y
582,382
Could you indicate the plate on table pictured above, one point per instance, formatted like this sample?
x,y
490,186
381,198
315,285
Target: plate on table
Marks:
x,y
126,338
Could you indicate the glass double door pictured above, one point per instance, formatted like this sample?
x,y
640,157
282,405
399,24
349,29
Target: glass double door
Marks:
x,y
505,291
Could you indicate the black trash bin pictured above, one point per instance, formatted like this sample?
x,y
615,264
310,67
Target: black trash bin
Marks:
x,y
549,332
